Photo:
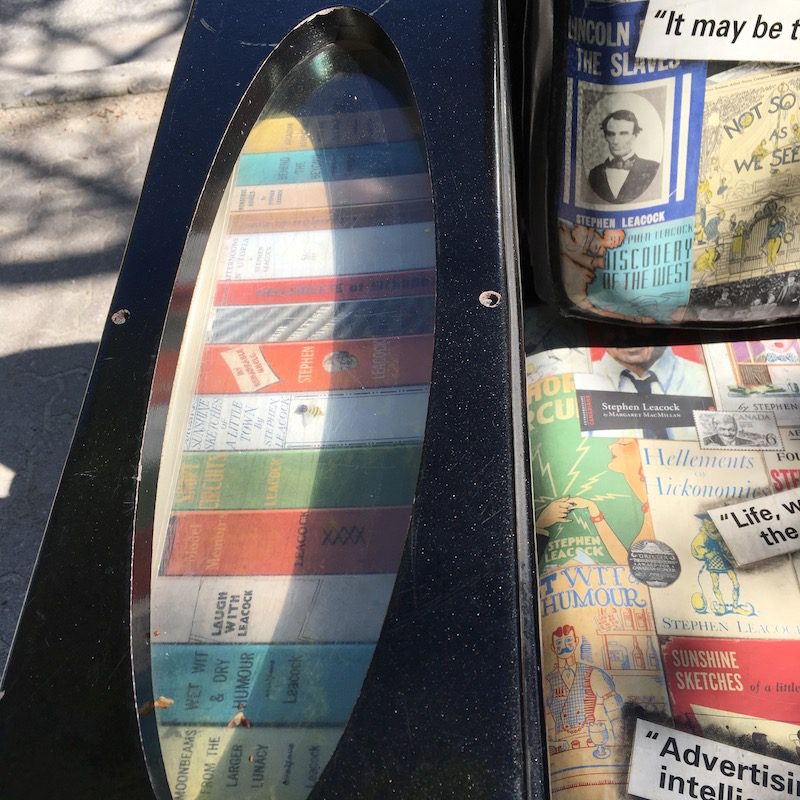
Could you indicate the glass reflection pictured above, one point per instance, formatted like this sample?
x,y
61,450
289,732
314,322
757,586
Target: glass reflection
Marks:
x,y
293,435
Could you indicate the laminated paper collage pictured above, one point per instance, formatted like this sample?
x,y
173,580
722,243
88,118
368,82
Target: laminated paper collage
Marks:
x,y
678,197
643,610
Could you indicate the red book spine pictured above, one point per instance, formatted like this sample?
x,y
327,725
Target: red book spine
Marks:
x,y
315,366
410,283
287,542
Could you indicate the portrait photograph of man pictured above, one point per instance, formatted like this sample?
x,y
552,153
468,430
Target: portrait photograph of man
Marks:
x,y
662,375
623,176
623,141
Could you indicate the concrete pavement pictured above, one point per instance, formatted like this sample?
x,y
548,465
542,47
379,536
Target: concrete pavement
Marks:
x,y
81,91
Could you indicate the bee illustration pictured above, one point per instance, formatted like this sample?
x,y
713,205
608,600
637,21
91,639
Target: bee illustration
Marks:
x,y
309,412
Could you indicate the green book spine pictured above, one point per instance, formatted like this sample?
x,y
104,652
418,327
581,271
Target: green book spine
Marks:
x,y
330,478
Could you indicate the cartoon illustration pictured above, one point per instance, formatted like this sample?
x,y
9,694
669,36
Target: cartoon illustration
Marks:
x,y
309,413
624,460
704,195
709,548
583,251
582,699
706,264
711,229
775,231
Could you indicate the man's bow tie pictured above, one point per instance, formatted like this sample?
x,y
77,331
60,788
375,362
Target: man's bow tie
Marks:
x,y
620,163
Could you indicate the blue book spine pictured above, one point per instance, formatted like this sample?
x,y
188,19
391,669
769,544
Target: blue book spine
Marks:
x,y
356,319
260,684
334,164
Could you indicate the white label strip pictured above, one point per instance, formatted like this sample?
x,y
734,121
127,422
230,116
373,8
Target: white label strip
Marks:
x,y
669,765
721,30
762,528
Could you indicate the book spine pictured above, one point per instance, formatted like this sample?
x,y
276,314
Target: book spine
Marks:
x,y
315,366
313,254
331,164
326,217
273,684
331,478
220,763
316,194
282,608
409,283
286,542
305,420
358,319
331,130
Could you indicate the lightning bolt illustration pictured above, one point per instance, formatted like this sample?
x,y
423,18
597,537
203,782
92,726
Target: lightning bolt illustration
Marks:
x,y
582,451
582,522
542,471
612,496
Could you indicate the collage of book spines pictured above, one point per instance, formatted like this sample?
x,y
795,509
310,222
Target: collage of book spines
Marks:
x,y
278,524
366,169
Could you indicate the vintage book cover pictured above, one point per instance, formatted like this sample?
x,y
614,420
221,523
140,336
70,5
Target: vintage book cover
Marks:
x,y
259,608
317,194
377,286
724,637
273,684
331,130
238,763
711,596
315,366
342,319
332,478
342,252
599,656
304,420
631,144
745,260
331,164
589,495
711,680
761,375
327,217
643,392
286,542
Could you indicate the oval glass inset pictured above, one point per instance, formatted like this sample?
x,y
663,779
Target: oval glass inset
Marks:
x,y
293,436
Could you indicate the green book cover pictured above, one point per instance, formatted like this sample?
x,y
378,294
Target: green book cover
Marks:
x,y
589,493
330,478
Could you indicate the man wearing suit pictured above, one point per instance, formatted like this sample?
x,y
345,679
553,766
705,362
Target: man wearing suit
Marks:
x,y
624,176
726,433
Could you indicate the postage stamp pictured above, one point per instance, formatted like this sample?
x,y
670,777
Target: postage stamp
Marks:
x,y
738,430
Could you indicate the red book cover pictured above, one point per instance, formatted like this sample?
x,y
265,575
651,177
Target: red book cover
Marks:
x,y
287,542
375,286
755,677
316,366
